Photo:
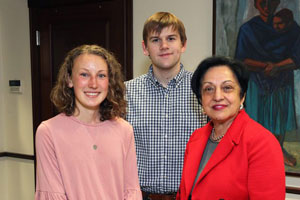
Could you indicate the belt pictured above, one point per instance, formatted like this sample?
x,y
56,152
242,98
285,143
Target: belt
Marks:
x,y
154,196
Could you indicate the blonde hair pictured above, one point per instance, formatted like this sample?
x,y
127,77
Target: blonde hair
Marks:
x,y
160,20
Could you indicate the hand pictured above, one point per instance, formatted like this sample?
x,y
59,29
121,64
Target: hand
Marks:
x,y
269,69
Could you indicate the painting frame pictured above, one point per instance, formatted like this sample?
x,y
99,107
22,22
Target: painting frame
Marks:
x,y
216,46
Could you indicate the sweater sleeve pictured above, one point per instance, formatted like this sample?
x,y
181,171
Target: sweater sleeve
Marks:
x,y
132,188
49,181
266,175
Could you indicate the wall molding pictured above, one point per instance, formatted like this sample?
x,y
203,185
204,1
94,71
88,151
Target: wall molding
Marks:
x,y
289,189
17,155
292,190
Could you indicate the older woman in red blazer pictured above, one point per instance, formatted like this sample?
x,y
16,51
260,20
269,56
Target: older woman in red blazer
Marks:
x,y
232,157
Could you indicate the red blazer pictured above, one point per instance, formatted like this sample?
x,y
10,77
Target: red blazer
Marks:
x,y
247,164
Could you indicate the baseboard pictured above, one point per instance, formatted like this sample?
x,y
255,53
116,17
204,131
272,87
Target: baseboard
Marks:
x,y
17,155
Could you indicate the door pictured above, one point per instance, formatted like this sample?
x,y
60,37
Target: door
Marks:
x,y
57,29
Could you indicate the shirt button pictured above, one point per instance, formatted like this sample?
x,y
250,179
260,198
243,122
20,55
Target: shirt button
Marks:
x,y
166,115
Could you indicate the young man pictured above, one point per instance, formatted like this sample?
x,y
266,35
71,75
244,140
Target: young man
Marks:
x,y
162,108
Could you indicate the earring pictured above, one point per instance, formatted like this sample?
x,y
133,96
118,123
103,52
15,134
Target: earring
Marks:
x,y
241,106
202,110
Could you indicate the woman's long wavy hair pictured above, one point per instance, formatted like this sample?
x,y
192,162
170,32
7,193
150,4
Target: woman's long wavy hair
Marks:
x,y
63,96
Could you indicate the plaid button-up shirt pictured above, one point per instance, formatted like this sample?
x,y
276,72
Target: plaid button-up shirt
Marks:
x,y
163,120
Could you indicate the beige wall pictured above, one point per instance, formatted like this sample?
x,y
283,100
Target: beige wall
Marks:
x,y
197,18
1,96
3,178
17,175
15,64
16,132
17,179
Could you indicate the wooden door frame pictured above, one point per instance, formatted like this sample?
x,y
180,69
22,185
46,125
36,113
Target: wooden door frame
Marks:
x,y
34,6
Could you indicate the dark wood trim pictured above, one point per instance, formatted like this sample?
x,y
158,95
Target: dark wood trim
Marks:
x,y
17,155
35,60
128,39
35,72
292,174
55,3
292,190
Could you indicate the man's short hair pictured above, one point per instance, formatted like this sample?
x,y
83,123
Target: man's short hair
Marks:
x,y
160,20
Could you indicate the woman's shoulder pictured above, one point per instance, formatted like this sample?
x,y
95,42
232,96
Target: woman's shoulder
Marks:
x,y
118,121
120,124
257,130
255,134
59,119
58,122
201,132
262,147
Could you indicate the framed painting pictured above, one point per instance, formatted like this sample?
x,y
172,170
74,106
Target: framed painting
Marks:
x,y
265,35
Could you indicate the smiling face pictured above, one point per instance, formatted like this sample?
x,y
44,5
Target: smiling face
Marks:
x,y
164,49
90,82
221,94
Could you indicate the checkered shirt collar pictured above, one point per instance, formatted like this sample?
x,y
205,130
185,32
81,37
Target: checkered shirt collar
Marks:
x,y
176,79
